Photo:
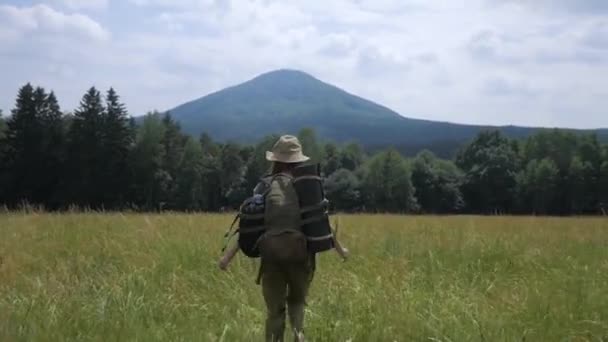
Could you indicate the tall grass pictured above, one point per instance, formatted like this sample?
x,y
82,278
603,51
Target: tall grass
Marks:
x,y
113,277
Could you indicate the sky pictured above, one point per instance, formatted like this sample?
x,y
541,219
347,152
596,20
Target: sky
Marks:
x,y
498,62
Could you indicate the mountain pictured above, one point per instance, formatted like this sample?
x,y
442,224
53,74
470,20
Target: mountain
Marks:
x,y
284,101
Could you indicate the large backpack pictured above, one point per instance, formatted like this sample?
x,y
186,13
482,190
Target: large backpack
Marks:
x,y
283,241
314,229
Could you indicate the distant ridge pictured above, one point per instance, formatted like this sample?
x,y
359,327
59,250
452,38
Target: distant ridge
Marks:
x,y
285,100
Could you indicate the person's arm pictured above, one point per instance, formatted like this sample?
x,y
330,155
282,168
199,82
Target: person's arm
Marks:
x,y
227,257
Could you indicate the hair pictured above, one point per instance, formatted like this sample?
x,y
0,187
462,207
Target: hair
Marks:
x,y
278,167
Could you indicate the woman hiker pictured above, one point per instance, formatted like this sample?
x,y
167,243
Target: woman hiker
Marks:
x,y
285,283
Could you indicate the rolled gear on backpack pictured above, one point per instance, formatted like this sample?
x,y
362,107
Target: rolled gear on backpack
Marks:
x,y
313,208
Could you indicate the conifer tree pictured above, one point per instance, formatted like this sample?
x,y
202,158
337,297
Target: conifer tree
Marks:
x,y
2,126
24,132
85,163
53,152
117,140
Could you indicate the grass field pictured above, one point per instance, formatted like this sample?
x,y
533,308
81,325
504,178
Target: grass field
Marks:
x,y
112,277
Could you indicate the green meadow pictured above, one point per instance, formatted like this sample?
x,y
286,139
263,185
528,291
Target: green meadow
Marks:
x,y
136,277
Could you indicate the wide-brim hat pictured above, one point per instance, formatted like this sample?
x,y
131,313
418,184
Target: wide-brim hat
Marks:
x,y
287,150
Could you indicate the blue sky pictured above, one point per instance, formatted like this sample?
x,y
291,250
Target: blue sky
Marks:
x,y
540,63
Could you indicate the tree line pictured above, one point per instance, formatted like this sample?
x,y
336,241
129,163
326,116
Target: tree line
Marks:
x,y
98,157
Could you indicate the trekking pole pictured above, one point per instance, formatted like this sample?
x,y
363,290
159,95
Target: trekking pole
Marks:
x,y
228,235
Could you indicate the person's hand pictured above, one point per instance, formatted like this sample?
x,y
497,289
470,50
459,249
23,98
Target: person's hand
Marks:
x,y
223,263
344,253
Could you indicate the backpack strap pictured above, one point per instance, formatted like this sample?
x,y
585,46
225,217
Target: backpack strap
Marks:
x,y
308,177
321,205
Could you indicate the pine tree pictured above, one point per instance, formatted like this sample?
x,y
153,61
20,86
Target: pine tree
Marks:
x,y
2,126
54,149
23,136
33,149
116,142
85,152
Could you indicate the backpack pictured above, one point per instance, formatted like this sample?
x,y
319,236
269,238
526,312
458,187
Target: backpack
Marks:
x,y
284,244
314,221
251,219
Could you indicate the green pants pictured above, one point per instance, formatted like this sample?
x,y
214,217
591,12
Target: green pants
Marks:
x,y
285,287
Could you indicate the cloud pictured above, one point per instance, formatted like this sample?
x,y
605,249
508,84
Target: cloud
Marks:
x,y
391,6
83,4
426,58
43,20
488,46
381,62
179,4
597,36
577,7
502,87
581,57
338,45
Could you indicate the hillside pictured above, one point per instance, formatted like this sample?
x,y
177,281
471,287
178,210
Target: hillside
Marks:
x,y
287,100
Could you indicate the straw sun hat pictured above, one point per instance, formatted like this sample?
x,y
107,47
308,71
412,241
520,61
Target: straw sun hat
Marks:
x,y
287,150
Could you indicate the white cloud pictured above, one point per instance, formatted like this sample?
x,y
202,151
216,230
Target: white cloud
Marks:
x,y
178,4
503,87
597,35
83,4
338,45
44,20
576,7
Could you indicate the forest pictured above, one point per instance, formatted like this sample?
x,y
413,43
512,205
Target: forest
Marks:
x,y
99,158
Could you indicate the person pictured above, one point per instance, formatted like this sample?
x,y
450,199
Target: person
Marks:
x,y
285,285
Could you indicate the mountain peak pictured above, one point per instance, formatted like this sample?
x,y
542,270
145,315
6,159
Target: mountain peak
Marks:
x,y
284,73
284,76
